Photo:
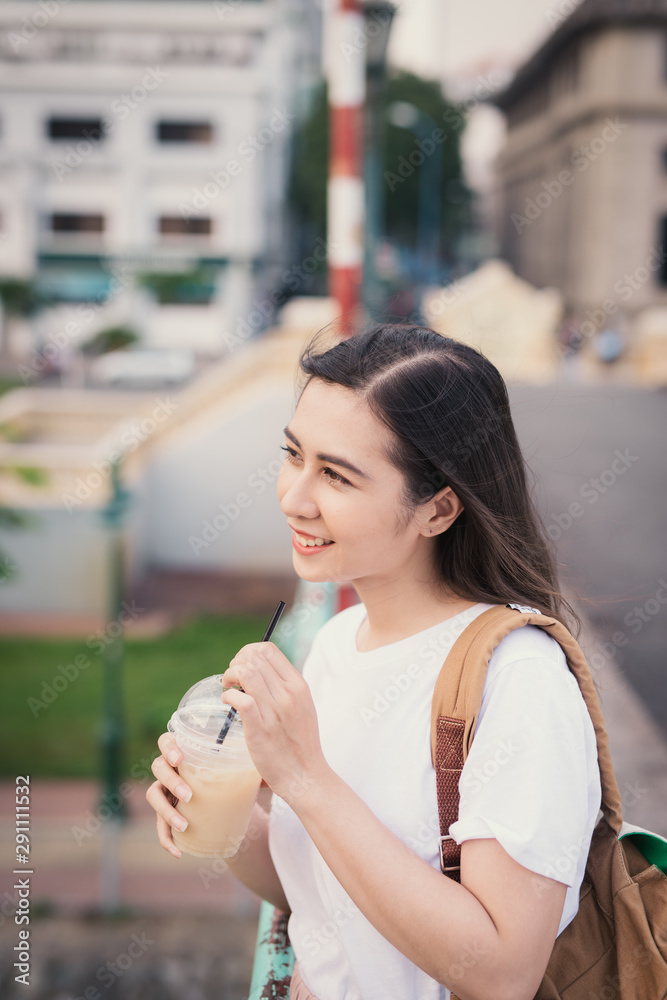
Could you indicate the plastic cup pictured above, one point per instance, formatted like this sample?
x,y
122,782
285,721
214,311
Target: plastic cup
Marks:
x,y
222,776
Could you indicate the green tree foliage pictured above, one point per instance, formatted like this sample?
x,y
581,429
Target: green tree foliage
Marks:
x,y
401,203
113,338
19,297
308,181
192,288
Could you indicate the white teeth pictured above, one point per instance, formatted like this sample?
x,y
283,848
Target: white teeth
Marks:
x,y
311,542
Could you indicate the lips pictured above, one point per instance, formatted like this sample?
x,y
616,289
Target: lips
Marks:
x,y
308,550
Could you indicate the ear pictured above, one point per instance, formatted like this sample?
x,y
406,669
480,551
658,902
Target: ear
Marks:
x,y
440,513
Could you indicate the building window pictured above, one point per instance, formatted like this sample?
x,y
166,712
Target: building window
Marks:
x,y
75,128
184,132
175,225
76,222
662,273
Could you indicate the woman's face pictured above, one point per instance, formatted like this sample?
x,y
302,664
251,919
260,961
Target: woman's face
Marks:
x,y
358,511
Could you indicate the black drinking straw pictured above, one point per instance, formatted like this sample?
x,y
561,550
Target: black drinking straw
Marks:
x,y
231,715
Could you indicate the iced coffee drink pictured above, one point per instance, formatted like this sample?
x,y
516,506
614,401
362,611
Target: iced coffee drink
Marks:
x,y
222,777
219,810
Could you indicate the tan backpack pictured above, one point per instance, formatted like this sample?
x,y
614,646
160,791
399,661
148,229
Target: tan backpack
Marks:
x,y
615,948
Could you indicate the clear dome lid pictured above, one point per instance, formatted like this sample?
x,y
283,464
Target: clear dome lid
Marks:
x,y
200,716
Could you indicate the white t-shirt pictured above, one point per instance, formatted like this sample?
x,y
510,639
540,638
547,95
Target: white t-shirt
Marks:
x,y
531,780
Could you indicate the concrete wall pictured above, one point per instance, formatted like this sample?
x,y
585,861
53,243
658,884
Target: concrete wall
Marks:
x,y
62,565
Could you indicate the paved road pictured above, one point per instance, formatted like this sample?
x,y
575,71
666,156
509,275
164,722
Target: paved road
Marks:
x,y
599,456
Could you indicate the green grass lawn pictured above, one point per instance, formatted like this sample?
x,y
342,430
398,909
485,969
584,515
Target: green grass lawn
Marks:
x,y
62,738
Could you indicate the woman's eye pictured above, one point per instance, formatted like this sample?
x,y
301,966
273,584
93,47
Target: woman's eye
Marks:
x,y
334,476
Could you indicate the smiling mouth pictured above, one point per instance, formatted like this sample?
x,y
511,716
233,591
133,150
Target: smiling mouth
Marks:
x,y
307,542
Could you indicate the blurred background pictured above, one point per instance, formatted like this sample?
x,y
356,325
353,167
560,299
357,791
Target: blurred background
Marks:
x,y
189,189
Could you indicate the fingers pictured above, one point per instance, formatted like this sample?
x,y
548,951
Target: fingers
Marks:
x,y
244,704
256,670
262,654
165,838
167,816
169,748
171,779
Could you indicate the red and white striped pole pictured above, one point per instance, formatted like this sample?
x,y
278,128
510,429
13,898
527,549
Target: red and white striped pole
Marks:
x,y
345,193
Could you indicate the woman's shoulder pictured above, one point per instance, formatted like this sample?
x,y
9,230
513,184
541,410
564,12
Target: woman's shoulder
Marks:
x,y
528,642
530,686
530,659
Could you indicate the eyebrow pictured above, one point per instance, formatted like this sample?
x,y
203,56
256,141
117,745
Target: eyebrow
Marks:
x,y
329,458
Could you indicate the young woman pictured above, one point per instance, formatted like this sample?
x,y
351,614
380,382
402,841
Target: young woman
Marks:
x,y
403,475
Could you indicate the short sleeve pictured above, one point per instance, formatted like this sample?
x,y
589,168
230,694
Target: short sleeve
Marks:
x,y
531,777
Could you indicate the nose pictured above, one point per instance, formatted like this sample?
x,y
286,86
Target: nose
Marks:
x,y
294,492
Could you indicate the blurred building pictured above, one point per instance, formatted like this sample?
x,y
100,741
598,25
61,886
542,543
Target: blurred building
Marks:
x,y
584,168
201,464
151,138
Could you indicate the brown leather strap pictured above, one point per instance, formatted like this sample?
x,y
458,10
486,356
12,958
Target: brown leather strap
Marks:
x,y
457,699
449,755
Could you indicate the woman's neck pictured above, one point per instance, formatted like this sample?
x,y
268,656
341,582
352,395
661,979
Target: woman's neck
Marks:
x,y
398,613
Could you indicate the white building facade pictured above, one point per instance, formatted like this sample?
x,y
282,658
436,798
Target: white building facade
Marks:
x,y
144,158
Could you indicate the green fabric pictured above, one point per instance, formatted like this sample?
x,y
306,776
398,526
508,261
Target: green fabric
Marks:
x,y
652,846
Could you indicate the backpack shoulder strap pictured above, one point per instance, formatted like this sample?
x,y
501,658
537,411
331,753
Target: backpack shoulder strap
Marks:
x,y
457,699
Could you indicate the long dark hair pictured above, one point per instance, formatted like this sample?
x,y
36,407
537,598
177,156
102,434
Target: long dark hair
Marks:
x,y
449,412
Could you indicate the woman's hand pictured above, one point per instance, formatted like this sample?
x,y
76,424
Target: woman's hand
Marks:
x,y
164,793
279,718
